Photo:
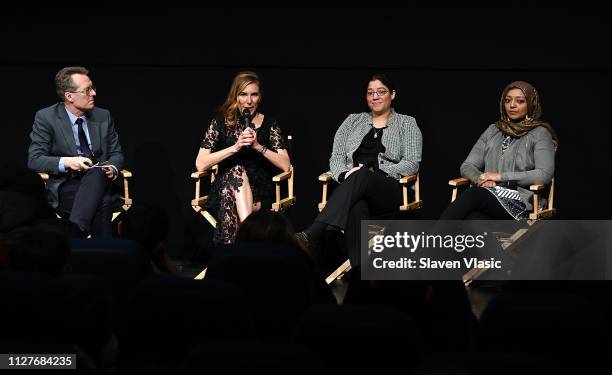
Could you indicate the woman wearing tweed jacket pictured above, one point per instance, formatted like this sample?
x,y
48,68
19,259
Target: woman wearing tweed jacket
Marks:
x,y
513,153
372,151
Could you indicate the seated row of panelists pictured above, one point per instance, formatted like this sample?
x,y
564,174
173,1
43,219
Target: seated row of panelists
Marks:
x,y
77,144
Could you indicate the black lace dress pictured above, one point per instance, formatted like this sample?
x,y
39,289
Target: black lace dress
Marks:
x,y
222,202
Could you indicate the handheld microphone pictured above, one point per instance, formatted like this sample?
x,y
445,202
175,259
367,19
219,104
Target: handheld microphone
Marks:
x,y
246,115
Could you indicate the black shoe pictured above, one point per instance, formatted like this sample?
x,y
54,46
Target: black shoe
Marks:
x,y
305,241
76,231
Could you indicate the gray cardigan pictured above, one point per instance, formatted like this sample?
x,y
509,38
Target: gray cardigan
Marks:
x,y
528,160
402,140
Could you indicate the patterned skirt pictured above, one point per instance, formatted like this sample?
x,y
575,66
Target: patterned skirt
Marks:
x,y
511,201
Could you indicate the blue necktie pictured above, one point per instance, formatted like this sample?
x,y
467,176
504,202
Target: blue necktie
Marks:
x,y
85,150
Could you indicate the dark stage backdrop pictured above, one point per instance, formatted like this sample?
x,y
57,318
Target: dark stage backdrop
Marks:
x,y
163,73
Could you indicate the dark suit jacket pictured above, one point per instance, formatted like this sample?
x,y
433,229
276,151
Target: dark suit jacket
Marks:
x,y
52,138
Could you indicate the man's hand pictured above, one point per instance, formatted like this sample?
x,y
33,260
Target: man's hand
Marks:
x,y
78,163
110,171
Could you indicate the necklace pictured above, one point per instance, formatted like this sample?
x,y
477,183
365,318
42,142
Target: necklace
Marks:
x,y
506,143
376,132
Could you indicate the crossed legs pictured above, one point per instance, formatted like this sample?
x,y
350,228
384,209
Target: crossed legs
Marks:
x,y
88,201
363,195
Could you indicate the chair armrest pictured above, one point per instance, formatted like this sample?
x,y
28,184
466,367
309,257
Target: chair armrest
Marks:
x,y
407,179
282,176
535,214
458,181
200,174
198,202
325,177
212,170
281,204
455,184
127,201
547,211
44,176
417,203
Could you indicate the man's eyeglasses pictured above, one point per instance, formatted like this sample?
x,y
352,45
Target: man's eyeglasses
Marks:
x,y
379,92
86,91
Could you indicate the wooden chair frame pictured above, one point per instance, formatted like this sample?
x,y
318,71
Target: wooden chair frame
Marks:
x,y
280,204
536,214
127,200
326,177
405,181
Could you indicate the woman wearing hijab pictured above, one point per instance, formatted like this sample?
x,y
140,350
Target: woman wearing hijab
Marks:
x,y
513,153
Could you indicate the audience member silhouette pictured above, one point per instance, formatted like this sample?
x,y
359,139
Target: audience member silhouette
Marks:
x,y
41,249
148,225
23,199
269,227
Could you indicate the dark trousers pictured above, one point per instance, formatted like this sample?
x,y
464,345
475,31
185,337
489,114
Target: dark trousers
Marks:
x,y
363,195
475,203
86,197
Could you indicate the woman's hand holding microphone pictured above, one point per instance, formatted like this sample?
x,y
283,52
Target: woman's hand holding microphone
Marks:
x,y
245,139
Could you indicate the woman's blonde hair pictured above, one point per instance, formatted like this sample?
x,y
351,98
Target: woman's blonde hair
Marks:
x,y
229,109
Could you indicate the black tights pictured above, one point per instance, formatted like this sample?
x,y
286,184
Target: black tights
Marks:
x,y
476,203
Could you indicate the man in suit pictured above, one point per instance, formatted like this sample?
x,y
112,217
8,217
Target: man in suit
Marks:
x,y
77,145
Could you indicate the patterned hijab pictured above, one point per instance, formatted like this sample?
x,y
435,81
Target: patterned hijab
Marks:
x,y
534,112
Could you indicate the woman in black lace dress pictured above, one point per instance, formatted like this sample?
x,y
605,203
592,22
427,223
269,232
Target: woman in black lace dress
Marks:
x,y
248,157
